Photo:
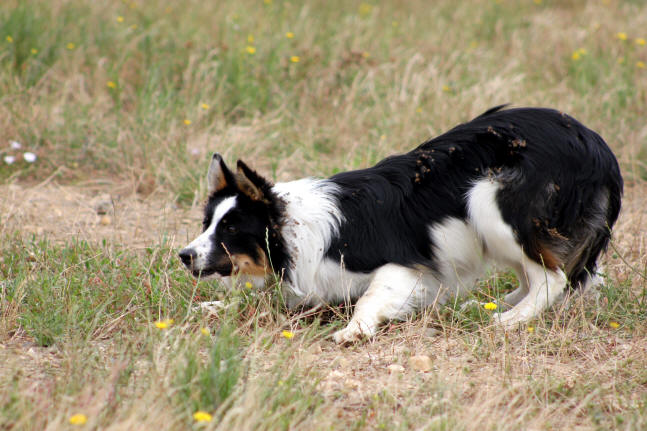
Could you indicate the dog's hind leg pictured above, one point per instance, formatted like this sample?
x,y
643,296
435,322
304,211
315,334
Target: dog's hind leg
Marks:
x,y
513,298
394,292
544,288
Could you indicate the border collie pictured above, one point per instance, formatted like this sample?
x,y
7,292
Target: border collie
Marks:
x,y
529,189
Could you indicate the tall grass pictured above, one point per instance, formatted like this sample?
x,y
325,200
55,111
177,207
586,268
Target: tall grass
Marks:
x,y
111,86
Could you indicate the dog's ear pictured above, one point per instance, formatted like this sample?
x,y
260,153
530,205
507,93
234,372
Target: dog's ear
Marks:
x,y
251,184
219,176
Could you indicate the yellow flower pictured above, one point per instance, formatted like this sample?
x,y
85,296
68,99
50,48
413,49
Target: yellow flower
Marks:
x,y
537,1
295,59
446,88
201,416
289,35
489,306
530,329
365,9
621,35
78,419
9,39
111,84
394,24
621,60
640,64
250,50
205,331
287,334
640,41
267,1
187,121
120,19
575,56
34,51
419,110
250,39
614,325
163,324
70,46
204,106
133,27
248,285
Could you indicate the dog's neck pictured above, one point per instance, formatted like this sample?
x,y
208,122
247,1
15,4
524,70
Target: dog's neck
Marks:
x,y
311,219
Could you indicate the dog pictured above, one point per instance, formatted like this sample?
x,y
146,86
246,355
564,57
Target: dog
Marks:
x,y
529,189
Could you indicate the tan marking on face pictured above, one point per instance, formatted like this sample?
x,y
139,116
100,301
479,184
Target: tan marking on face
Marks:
x,y
244,264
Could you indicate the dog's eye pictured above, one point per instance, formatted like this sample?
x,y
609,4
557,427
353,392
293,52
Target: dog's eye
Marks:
x,y
232,229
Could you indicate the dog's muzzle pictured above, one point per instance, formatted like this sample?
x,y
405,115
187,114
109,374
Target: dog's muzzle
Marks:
x,y
188,256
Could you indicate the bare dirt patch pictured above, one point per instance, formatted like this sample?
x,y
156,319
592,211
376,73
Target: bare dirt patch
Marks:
x,y
94,213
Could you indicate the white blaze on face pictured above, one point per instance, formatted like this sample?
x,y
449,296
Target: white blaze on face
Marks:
x,y
202,244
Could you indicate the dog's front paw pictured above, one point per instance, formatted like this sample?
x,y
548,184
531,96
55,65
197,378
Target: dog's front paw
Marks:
x,y
354,332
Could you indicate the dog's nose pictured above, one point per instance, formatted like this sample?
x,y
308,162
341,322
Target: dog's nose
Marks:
x,y
188,255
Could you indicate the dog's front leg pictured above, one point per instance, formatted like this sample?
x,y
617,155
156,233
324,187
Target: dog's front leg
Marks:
x,y
394,292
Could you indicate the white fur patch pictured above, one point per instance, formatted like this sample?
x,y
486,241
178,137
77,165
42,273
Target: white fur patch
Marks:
x,y
459,253
203,243
486,218
312,220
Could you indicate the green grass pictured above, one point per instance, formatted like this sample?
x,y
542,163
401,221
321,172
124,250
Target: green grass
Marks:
x,y
96,307
137,95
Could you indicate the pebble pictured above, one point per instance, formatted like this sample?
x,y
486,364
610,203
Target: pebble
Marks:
x,y
105,220
421,363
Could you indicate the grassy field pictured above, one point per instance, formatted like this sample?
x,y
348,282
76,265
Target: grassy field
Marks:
x,y
123,103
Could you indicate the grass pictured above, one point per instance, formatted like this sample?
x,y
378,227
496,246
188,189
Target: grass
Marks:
x,y
131,98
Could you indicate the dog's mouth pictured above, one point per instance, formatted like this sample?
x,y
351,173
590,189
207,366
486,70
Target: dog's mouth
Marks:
x,y
223,271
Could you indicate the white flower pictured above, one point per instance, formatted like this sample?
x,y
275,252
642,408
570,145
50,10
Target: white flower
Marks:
x,y
29,157
9,159
15,145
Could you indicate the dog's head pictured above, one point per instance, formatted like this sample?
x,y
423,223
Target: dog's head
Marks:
x,y
239,218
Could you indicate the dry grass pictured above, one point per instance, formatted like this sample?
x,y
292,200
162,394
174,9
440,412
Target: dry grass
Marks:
x,y
80,291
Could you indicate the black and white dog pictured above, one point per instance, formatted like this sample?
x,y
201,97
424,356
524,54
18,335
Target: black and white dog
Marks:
x,y
528,189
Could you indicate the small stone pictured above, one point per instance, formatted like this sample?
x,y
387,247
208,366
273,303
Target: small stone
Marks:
x,y
105,220
421,363
395,368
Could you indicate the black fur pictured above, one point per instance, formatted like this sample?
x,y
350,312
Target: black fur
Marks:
x,y
252,225
561,192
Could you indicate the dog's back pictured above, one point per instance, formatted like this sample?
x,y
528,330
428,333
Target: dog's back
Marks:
x,y
560,190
